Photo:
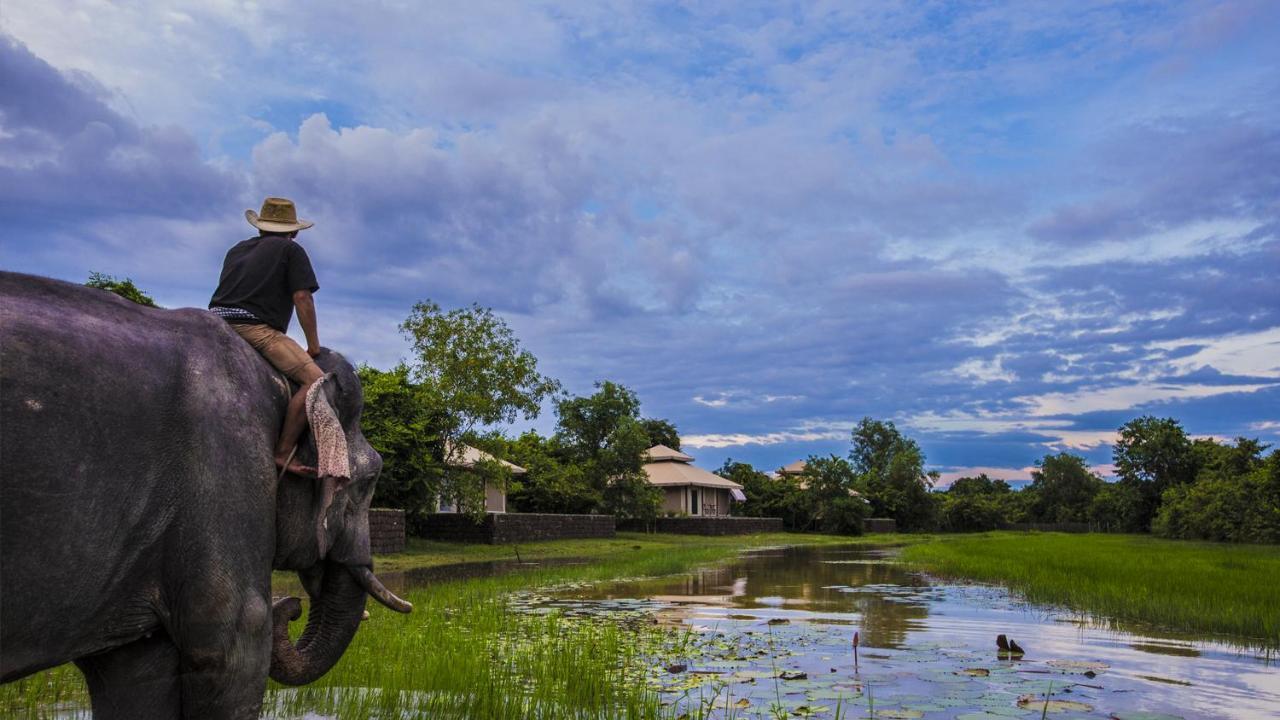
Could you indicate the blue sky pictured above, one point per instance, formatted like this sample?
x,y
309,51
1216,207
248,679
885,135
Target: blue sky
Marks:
x,y
1008,227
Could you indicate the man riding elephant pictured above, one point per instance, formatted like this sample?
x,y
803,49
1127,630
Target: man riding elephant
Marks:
x,y
263,280
143,513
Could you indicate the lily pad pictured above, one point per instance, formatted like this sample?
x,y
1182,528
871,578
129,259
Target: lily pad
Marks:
x,y
1078,666
1037,702
1144,715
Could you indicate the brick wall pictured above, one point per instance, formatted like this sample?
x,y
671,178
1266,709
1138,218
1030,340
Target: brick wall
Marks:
x,y
386,531
505,528
879,525
710,525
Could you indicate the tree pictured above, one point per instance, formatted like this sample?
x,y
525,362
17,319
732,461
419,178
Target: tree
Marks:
x,y
469,368
404,428
550,483
831,481
1151,455
1235,497
469,364
974,504
891,474
661,432
1062,488
604,435
124,288
1117,508
780,497
585,423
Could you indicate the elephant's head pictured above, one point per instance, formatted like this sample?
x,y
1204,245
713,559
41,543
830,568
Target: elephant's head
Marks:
x,y
322,532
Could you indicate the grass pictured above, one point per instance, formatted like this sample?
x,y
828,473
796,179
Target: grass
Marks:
x,y
1227,591
428,553
464,653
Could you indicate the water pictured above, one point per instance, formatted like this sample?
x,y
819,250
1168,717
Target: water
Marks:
x,y
773,635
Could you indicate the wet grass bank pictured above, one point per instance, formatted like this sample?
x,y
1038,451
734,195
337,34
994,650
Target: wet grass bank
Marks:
x,y
1200,588
429,553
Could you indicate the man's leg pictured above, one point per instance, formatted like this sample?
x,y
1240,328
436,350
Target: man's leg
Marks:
x,y
295,421
289,358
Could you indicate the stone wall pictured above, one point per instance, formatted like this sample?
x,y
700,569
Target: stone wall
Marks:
x,y
506,528
879,525
386,531
1064,527
710,525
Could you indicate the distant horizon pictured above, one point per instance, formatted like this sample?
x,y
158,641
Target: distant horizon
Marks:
x,y
1009,229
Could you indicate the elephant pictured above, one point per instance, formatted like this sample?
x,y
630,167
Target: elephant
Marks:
x,y
141,515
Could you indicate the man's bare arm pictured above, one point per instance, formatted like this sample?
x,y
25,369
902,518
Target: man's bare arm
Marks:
x,y
306,307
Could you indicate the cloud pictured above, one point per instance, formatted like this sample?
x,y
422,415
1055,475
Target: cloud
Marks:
x,y
66,158
1009,227
813,432
1173,172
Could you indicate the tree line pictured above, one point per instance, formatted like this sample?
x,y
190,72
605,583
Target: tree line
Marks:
x,y
1167,483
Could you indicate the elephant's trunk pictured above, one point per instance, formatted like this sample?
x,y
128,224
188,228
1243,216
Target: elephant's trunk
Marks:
x,y
334,619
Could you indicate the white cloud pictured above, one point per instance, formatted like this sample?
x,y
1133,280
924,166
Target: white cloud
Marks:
x,y
1255,354
1123,397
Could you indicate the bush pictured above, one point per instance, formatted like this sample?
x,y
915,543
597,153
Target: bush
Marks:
x,y
1225,507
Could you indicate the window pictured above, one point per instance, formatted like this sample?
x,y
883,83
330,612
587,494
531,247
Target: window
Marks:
x,y
695,507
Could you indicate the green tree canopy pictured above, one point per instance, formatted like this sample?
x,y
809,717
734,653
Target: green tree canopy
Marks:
x,y
467,370
405,430
1062,488
469,364
1153,454
604,435
891,474
661,432
124,288
838,507
1234,498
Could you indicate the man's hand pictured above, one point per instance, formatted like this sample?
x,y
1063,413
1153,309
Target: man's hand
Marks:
x,y
314,351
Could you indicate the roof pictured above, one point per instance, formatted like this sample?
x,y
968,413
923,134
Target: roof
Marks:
x,y
679,473
471,456
795,468
662,453
667,467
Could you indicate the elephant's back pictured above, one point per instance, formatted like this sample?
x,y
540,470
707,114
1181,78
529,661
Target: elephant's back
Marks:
x,y
117,420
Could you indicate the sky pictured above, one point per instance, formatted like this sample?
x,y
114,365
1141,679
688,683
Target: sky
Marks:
x,y
1008,227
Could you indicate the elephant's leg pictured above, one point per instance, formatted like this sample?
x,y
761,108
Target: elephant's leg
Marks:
x,y
225,651
138,681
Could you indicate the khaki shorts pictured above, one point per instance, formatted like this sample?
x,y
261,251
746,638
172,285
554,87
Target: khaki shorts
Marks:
x,y
280,350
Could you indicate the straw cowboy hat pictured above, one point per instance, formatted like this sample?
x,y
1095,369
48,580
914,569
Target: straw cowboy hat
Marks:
x,y
278,215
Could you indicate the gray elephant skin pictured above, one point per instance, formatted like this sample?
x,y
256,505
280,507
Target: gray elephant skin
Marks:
x,y
141,516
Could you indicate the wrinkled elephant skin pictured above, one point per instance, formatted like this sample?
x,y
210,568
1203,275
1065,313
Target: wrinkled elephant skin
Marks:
x,y
142,516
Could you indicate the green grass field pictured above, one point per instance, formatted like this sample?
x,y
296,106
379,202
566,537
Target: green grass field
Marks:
x,y
1198,588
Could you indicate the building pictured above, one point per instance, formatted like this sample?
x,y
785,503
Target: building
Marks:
x,y
495,494
795,469
688,489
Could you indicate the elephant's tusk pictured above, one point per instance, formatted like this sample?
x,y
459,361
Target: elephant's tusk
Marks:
x,y
372,585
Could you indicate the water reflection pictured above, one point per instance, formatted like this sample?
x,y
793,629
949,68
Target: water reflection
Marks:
x,y
910,626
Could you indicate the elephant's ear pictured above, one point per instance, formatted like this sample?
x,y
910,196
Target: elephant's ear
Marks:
x,y
333,464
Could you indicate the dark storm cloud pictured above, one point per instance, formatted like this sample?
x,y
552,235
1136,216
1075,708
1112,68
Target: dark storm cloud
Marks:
x,y
67,157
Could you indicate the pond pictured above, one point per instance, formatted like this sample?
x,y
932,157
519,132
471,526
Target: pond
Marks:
x,y
771,636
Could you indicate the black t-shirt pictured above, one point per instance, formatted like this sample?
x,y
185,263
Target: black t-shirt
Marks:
x,y
261,274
